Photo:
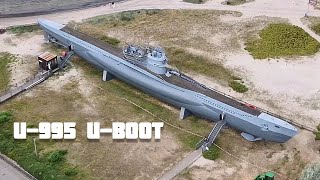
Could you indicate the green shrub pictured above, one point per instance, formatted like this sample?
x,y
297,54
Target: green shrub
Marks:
x,y
212,154
311,172
317,135
281,40
5,117
71,171
238,87
57,156
195,1
235,2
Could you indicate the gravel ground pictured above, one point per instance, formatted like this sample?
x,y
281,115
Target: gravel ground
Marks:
x,y
21,8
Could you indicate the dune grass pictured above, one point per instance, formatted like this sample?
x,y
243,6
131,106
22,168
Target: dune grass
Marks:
x,y
18,30
135,23
316,28
282,40
185,61
317,133
313,22
5,59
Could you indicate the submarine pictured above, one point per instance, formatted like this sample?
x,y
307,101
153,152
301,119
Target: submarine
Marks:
x,y
147,69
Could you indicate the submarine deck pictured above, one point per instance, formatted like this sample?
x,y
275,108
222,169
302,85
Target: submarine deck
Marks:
x,y
185,82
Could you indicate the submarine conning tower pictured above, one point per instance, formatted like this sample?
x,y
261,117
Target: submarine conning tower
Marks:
x,y
157,61
153,58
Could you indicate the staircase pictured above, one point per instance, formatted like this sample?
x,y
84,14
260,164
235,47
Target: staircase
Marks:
x,y
206,143
215,131
65,59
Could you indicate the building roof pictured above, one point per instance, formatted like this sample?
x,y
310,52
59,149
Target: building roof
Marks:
x,y
47,56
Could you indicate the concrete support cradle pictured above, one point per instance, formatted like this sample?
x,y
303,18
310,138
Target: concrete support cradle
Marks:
x,y
107,76
184,113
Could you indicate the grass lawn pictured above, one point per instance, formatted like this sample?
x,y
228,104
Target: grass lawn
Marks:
x,y
47,165
212,153
192,123
53,162
121,89
5,59
282,40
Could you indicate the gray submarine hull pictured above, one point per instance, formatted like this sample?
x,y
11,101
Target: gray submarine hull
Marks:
x,y
261,126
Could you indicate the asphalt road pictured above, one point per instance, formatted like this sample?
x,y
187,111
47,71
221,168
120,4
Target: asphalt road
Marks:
x,y
22,8
9,172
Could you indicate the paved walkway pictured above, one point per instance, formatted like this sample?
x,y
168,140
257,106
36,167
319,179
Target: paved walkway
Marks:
x,y
291,9
187,161
8,172
13,8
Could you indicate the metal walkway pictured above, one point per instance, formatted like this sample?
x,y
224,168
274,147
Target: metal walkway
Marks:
x,y
39,78
29,84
